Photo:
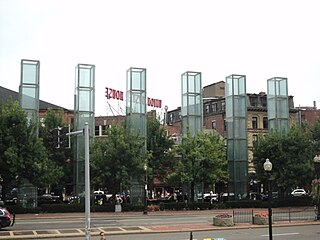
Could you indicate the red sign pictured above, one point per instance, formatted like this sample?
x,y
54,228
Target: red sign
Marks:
x,y
154,102
115,94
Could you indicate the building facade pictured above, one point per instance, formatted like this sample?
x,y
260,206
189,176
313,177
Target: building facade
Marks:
x,y
214,117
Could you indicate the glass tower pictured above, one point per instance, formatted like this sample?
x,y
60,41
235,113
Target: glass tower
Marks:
x,y
237,145
278,107
191,102
84,107
29,88
136,118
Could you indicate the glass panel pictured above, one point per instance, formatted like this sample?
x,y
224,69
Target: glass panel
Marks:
x,y
230,144
198,123
271,108
228,86
30,74
283,91
240,106
191,105
28,100
184,84
198,83
242,85
192,125
229,130
271,87
240,128
137,102
283,108
84,77
191,83
136,81
84,100
143,80
229,107
184,107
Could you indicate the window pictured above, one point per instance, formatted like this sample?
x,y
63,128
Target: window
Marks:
x,y
214,107
265,122
254,122
253,101
104,129
254,140
207,108
97,130
263,101
223,106
213,124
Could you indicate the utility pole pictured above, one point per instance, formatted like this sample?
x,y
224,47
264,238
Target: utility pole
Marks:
x,y
85,131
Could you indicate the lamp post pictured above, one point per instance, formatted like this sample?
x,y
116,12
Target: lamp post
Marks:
x,y
267,168
316,161
145,210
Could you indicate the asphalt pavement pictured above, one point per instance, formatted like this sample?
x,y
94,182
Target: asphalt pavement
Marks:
x,y
10,233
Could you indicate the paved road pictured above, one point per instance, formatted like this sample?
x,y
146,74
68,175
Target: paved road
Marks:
x,y
111,221
72,225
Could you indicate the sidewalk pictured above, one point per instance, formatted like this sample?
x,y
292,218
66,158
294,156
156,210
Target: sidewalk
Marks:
x,y
63,233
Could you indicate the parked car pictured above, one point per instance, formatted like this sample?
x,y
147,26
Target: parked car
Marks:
x,y
12,196
299,192
209,197
100,197
6,218
48,198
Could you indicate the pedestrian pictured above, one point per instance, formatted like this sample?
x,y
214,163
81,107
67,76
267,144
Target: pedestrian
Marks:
x,y
102,237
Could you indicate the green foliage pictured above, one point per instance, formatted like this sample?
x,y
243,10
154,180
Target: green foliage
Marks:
x,y
115,160
22,154
291,156
60,171
203,160
161,161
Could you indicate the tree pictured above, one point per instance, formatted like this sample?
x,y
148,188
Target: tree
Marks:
x,y
60,162
162,159
203,160
22,154
291,157
116,159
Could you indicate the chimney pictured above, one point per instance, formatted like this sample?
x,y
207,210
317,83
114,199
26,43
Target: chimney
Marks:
x,y
314,105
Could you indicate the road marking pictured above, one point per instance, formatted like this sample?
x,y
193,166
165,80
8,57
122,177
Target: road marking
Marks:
x,y
281,234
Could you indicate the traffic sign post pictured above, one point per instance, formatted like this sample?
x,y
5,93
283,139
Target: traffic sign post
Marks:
x,y
85,132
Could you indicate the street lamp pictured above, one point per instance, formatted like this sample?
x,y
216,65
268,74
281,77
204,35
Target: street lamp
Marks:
x,y
316,161
145,210
267,168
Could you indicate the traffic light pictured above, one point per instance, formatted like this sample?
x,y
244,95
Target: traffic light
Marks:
x,y
64,139
58,137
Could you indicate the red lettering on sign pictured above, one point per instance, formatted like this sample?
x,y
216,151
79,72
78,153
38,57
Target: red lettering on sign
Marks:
x,y
154,102
115,94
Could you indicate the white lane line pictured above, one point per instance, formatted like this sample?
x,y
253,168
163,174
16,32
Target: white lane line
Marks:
x,y
281,234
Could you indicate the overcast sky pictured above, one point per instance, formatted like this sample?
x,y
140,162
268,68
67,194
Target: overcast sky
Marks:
x,y
259,39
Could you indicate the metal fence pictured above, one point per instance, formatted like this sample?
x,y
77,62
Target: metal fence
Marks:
x,y
278,215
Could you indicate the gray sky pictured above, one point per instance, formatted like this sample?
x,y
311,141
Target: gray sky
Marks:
x,y
257,38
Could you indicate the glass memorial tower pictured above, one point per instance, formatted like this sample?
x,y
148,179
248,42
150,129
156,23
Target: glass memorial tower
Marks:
x,y
237,145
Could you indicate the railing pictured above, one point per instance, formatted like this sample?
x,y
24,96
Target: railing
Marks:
x,y
278,215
